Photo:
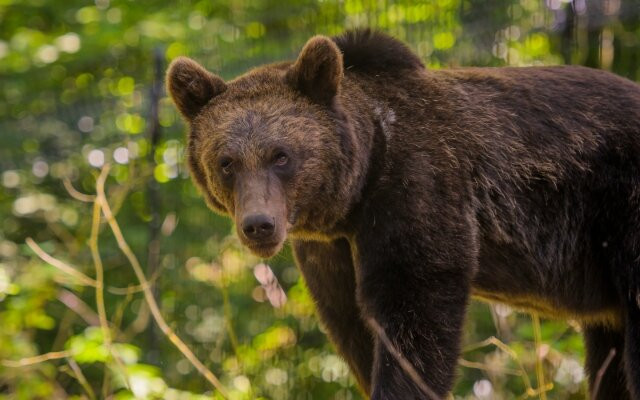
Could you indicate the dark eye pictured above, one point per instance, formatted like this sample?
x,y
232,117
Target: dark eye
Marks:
x,y
226,165
281,159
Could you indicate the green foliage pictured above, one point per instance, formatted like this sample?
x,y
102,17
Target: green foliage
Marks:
x,y
75,93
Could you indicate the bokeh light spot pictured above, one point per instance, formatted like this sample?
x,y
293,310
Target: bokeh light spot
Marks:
x,y
40,168
47,54
69,42
121,155
85,124
96,158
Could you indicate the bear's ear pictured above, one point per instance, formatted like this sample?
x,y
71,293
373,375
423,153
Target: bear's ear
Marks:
x,y
191,86
318,70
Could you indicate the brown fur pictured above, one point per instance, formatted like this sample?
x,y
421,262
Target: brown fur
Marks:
x,y
405,190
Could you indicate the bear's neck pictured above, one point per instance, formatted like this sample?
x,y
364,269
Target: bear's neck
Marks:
x,y
364,147
363,119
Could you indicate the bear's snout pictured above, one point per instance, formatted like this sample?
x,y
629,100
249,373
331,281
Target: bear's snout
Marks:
x,y
260,212
258,227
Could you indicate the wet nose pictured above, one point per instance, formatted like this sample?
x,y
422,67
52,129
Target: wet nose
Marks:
x,y
258,226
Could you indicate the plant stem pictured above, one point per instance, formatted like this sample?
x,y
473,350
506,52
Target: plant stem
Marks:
x,y
148,295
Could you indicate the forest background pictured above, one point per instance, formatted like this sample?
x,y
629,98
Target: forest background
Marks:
x,y
83,112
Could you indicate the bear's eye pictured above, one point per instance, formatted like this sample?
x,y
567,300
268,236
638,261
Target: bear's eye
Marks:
x,y
226,165
281,159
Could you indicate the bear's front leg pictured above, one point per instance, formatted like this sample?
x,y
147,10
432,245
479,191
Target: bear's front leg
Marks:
x,y
328,271
414,283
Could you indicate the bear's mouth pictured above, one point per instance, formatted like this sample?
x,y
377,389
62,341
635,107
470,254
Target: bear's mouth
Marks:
x,y
265,250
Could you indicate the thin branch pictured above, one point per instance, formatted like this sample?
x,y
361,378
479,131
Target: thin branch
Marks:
x,y
97,262
138,325
118,314
79,307
73,192
537,335
122,291
54,355
65,237
73,271
148,295
228,318
490,341
601,372
402,361
514,356
81,378
537,391
64,267
64,326
484,367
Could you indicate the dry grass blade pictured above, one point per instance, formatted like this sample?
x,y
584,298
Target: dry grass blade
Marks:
x,y
484,367
404,363
54,355
81,378
75,304
97,262
537,335
512,354
228,321
64,267
148,294
133,288
82,278
601,372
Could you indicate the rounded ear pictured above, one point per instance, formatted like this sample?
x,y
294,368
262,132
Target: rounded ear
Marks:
x,y
318,70
191,86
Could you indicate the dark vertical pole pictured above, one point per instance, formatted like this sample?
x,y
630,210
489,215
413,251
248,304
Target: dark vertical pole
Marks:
x,y
626,50
153,197
568,33
594,35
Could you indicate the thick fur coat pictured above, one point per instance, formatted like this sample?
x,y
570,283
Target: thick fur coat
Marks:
x,y
405,191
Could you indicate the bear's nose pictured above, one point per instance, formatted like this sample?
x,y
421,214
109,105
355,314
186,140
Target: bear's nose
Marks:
x,y
258,226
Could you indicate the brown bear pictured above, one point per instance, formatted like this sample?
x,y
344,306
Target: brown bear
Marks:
x,y
405,191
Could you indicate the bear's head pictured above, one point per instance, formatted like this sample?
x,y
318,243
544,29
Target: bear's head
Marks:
x,y
273,149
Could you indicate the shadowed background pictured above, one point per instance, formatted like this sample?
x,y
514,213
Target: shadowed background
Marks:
x,y
81,85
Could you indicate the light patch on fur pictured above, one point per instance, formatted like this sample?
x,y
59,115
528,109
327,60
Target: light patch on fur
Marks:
x,y
387,117
533,304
